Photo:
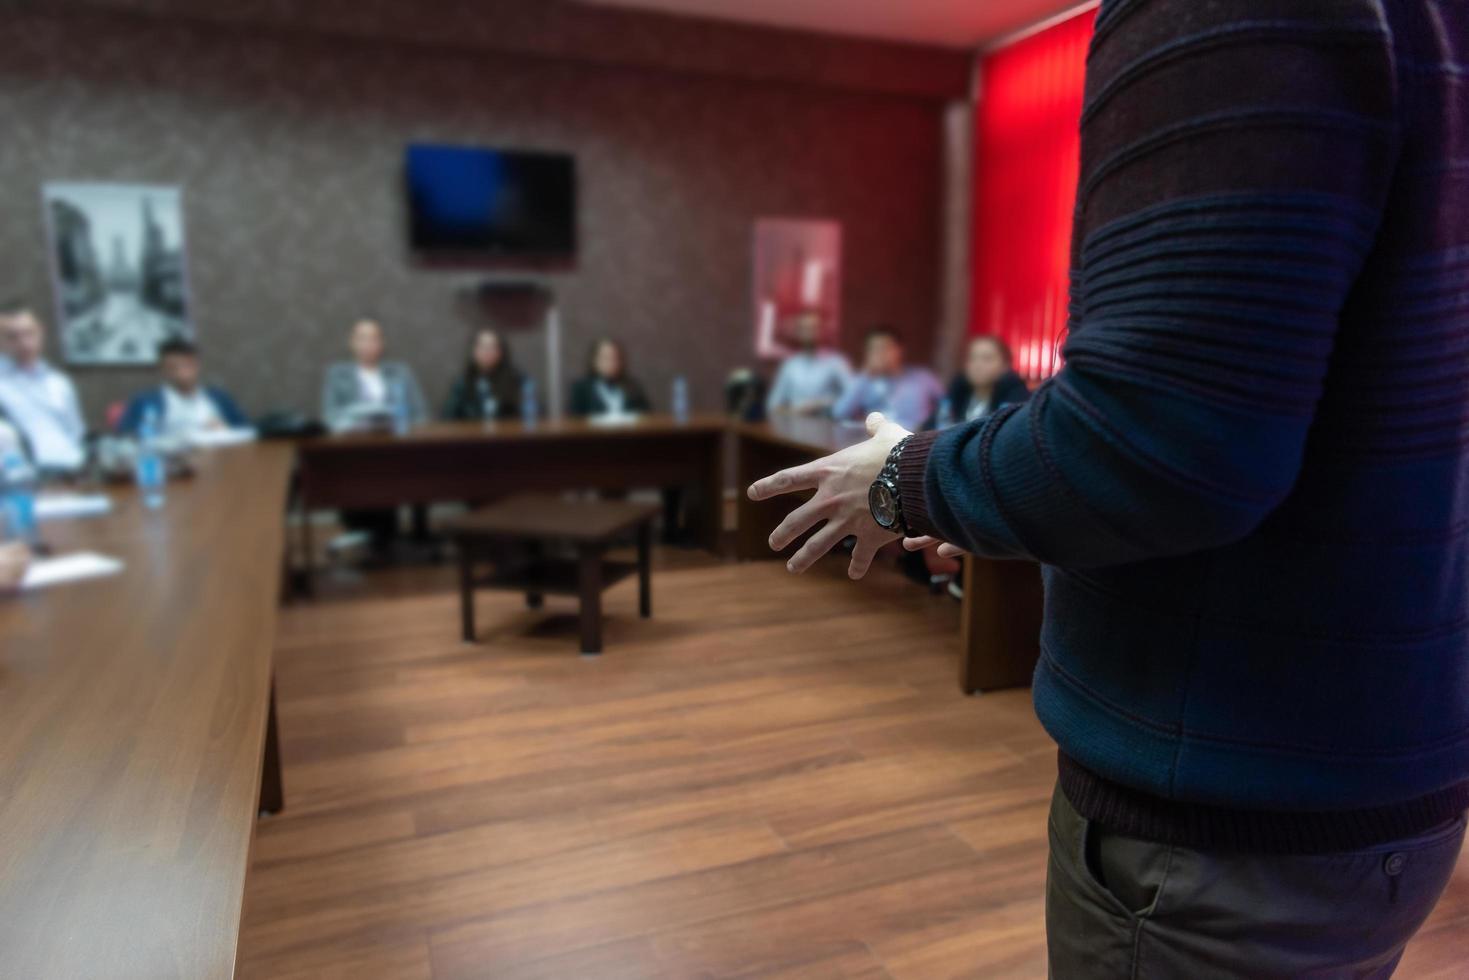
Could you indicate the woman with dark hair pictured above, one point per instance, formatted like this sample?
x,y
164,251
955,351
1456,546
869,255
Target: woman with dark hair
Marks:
x,y
987,383
490,386
607,389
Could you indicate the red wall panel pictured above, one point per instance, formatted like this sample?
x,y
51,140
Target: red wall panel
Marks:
x,y
1026,160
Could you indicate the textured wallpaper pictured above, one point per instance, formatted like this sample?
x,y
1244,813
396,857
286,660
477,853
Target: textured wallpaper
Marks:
x,y
289,151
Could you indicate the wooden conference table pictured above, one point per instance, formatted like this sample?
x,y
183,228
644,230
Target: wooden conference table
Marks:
x,y
479,461
133,719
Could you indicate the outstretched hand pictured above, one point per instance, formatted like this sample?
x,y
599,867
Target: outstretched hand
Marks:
x,y
841,482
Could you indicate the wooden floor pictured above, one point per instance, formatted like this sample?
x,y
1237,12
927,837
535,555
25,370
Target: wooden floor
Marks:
x,y
774,777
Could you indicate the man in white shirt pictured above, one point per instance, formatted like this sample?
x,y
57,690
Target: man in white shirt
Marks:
x,y
811,379
40,401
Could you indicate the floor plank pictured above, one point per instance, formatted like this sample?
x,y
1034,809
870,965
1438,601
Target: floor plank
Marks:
x,y
775,777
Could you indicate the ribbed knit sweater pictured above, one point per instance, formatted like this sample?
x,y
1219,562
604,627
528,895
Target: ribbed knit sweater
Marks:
x,y
1249,484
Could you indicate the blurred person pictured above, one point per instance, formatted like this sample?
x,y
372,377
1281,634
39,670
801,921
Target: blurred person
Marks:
x,y
367,387
1255,652
362,390
607,388
40,402
811,380
183,405
908,395
490,385
987,383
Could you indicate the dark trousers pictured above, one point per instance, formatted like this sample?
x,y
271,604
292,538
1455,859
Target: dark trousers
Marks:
x,y
1120,907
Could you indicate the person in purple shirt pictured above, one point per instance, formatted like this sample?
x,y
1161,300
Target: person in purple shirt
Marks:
x,y
907,395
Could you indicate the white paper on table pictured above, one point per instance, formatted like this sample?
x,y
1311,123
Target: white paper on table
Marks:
x,y
68,568
210,438
51,506
611,420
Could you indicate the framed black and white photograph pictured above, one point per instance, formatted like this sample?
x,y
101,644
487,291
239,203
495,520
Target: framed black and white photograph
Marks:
x,y
117,262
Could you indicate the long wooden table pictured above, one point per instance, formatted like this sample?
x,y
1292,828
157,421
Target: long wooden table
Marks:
x,y
475,461
1001,618
133,719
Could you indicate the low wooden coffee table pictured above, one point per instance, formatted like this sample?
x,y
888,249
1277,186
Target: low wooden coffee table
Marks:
x,y
515,532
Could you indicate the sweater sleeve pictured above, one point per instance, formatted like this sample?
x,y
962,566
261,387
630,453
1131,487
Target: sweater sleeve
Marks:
x,y
1235,160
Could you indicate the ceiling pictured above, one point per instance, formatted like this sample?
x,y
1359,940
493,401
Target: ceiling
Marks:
x,y
954,23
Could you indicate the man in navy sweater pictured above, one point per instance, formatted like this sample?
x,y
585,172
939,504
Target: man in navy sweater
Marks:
x,y
1248,488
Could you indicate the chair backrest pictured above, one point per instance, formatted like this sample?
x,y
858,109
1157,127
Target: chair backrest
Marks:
x,y
744,395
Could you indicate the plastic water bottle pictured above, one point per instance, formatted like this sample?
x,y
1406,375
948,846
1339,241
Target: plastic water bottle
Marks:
x,y
530,408
149,467
402,418
489,405
18,480
945,417
680,402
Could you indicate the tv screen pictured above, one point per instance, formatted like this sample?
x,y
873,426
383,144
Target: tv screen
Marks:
x,y
491,202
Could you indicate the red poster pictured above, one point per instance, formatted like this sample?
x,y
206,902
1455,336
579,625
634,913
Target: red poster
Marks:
x,y
798,267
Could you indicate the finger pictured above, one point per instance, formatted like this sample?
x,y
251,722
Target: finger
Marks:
x,y
817,545
874,422
951,551
786,481
862,556
797,522
918,544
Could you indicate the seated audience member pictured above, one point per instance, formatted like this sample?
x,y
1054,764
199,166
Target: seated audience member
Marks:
x,y
490,386
367,388
15,558
362,392
182,404
906,395
987,383
812,379
40,402
607,389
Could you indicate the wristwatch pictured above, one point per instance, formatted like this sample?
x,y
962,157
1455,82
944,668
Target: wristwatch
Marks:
x,y
883,498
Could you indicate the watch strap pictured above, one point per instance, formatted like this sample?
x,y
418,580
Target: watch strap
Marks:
x,y
890,475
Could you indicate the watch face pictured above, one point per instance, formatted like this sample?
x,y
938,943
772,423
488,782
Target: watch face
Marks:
x,y
883,504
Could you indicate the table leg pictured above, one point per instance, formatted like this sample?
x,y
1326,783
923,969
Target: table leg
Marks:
x,y
307,576
645,570
1000,624
533,600
272,794
704,499
590,578
466,590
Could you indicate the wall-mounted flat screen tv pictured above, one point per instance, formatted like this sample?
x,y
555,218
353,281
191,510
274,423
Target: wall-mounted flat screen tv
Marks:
x,y
470,202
